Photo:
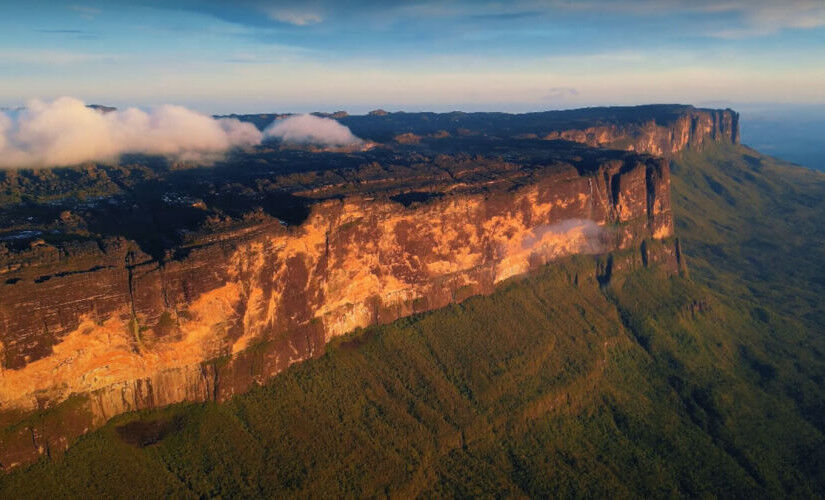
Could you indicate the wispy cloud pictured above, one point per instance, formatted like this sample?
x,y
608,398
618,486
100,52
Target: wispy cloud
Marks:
x,y
61,32
611,56
748,17
271,54
50,56
755,17
766,18
297,16
506,16
83,9
86,12
70,33
560,93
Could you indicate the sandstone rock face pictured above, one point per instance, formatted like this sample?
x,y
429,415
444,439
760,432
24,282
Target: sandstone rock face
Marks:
x,y
692,130
103,328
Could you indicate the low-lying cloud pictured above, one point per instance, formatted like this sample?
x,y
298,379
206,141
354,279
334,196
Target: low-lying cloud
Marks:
x,y
66,132
311,129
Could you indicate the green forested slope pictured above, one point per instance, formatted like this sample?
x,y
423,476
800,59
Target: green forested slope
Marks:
x,y
753,227
554,385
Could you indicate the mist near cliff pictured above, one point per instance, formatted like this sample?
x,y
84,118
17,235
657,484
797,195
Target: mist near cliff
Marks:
x,y
583,235
314,130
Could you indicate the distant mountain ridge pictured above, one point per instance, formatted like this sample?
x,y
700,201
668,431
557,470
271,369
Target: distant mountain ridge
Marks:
x,y
658,129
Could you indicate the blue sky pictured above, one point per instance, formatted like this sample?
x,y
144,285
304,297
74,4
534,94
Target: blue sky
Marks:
x,y
251,55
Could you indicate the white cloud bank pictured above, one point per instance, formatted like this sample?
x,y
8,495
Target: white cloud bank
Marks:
x,y
310,129
66,132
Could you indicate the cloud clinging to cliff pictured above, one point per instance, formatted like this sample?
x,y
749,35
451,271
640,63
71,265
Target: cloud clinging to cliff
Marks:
x,y
574,235
310,129
66,132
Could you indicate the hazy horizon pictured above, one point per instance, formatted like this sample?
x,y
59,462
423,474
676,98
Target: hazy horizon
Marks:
x,y
254,55
789,132
758,57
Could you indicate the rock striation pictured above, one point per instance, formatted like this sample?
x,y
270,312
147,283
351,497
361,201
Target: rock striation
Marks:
x,y
92,329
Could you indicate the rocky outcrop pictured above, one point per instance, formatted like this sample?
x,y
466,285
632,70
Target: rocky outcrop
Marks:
x,y
692,130
90,330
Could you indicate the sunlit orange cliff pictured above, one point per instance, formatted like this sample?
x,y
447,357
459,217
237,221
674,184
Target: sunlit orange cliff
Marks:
x,y
98,329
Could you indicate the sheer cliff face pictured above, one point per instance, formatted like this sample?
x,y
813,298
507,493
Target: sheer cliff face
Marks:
x,y
110,329
691,130
354,262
